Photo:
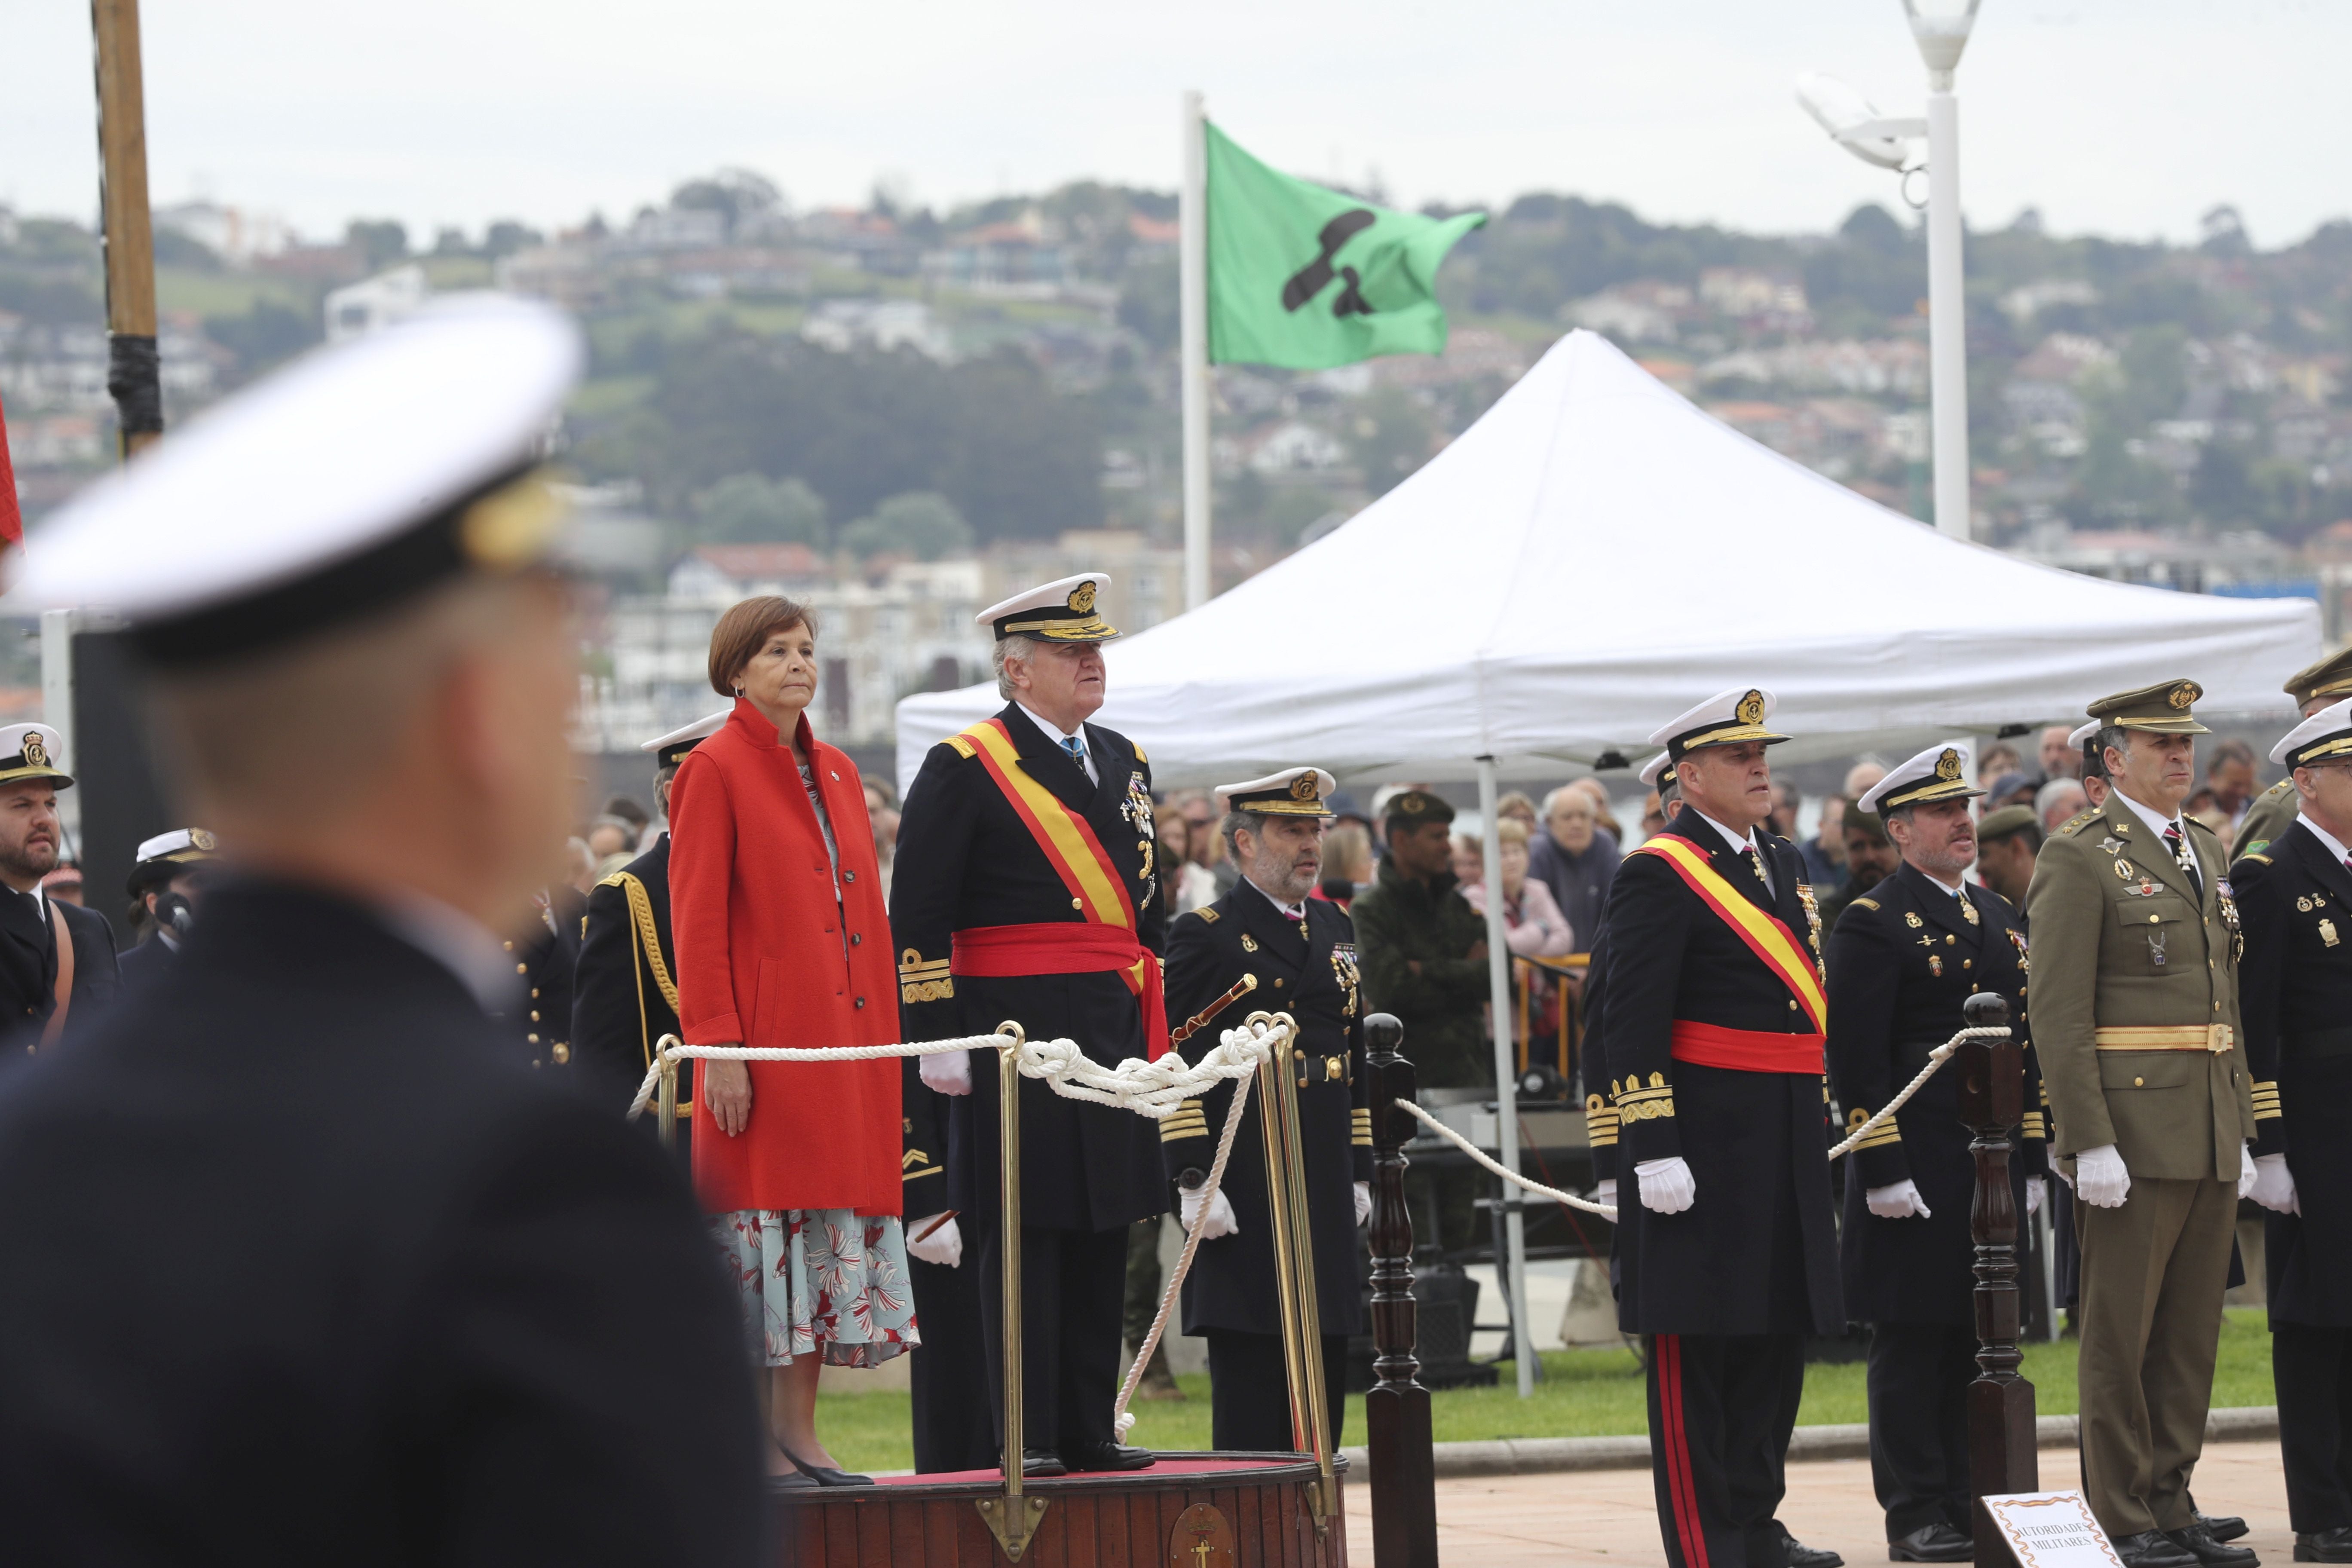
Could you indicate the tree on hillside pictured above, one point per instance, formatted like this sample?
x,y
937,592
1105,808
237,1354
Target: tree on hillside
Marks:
x,y
920,523
382,241
752,508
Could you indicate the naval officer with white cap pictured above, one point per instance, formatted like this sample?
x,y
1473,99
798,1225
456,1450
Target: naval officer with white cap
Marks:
x,y
57,958
412,1323
164,891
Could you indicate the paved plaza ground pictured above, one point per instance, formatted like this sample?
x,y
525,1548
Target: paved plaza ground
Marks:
x,y
1608,1516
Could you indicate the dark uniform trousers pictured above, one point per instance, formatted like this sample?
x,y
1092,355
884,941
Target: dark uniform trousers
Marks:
x,y
2295,987
1250,1384
951,1406
1903,961
1723,1293
967,862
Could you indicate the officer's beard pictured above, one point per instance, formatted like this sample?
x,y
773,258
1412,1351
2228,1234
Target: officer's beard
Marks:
x,y
29,861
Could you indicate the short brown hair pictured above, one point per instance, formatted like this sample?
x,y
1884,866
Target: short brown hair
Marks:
x,y
745,629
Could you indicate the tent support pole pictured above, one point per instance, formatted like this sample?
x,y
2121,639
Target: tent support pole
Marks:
x,y
1507,1085
1192,311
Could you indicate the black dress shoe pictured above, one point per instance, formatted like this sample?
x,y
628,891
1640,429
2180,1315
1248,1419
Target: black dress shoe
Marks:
x,y
2199,1542
2324,1545
2224,1527
825,1475
1804,1556
2153,1549
1108,1457
1036,1462
1936,1542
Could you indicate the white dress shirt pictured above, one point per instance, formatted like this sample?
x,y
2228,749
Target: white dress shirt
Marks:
x,y
2334,845
1057,734
1739,842
1297,912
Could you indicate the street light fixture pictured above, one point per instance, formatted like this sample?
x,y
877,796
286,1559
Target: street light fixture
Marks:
x,y
1941,30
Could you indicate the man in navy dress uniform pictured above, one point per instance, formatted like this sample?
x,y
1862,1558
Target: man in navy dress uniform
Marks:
x,y
1909,951
1023,891
2294,989
164,891
412,1323
1266,946
1728,1249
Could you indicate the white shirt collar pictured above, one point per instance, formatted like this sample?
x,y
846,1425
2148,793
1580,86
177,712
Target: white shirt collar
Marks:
x,y
1050,730
1935,881
2148,814
2334,845
1296,910
1734,839
457,942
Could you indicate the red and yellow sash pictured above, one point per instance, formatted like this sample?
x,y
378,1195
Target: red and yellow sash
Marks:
x,y
1764,933
1097,890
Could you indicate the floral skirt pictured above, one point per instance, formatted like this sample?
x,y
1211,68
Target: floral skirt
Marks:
x,y
829,1278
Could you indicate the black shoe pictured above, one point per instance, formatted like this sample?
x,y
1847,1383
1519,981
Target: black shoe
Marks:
x,y
2199,1542
791,1481
1804,1556
2324,1545
2228,1527
2153,1549
1935,1543
825,1475
1108,1457
1038,1462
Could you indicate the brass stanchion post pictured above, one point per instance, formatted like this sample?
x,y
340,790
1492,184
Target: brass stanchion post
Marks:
x,y
666,1099
1012,1517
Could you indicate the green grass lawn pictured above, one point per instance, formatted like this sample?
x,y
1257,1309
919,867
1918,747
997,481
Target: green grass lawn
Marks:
x,y
1584,1393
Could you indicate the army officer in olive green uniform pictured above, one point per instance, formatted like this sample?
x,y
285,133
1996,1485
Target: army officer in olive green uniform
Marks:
x,y
2274,810
2136,951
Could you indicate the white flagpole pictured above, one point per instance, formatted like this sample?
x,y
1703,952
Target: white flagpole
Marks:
x,y
1513,1264
1192,286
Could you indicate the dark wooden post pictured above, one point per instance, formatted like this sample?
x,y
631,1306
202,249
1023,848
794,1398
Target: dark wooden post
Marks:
x,y
1396,1410
2001,1458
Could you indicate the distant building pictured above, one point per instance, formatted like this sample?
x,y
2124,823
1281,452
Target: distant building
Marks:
x,y
842,325
1746,293
1291,447
374,304
677,228
236,236
564,274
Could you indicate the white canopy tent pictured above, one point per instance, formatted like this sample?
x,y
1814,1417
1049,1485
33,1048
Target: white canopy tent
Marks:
x,y
1595,555
1591,559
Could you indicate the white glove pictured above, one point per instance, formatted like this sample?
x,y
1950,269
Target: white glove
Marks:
x,y
2033,1191
2245,1169
1363,1202
949,1072
2100,1179
1667,1186
1606,1194
1220,1220
1900,1201
943,1246
2272,1186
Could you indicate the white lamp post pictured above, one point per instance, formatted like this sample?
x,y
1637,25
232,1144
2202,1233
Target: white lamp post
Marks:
x,y
1940,28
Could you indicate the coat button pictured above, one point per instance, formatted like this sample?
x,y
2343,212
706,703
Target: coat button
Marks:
x,y
2140,1083
2151,919
534,990
1078,903
1793,1004
1277,984
1951,941
861,1002
522,969
560,1052
534,1014
1968,963
532,1038
855,940
509,946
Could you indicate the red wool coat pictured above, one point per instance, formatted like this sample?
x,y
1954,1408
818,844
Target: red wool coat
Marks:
x,y
765,957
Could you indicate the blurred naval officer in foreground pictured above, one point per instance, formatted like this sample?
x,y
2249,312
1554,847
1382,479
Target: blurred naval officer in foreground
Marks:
x,y
2137,944
625,994
416,1321
1908,953
1268,947
2295,896
2277,808
164,889
57,958
1728,1249
1601,1126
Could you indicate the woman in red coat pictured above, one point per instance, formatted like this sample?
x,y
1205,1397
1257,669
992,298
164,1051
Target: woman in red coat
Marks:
x,y
782,940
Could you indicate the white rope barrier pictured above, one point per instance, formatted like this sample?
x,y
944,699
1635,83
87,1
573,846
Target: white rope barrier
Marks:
x,y
1935,1058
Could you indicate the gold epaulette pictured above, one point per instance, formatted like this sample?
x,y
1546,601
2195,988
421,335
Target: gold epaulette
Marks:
x,y
1881,1136
1138,754
914,1158
1187,1123
1863,904
1359,1124
1636,1103
2267,1099
1600,1121
963,748
613,881
1208,916
2081,820
923,981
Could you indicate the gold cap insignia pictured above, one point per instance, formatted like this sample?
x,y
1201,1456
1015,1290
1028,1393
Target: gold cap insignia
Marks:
x,y
1948,766
1303,786
1082,599
36,754
202,840
1751,708
2183,695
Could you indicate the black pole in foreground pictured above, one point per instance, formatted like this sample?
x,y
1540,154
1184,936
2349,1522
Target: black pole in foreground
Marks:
x,y
1396,1410
2001,1458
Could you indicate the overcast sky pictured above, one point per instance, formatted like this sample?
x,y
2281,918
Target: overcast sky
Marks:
x,y
2121,117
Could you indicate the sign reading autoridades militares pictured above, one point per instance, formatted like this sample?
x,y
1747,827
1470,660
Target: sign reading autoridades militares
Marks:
x,y
2052,1529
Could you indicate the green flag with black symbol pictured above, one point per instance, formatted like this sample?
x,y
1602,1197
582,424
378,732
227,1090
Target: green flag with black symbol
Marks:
x,y
1308,278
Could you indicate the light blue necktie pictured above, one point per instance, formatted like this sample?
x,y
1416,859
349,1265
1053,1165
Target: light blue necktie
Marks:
x,y
1077,750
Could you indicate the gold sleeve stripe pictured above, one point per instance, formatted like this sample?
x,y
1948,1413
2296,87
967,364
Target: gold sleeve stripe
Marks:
x,y
1633,1096
926,1171
2036,1126
2266,1102
1360,1127
1885,1135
